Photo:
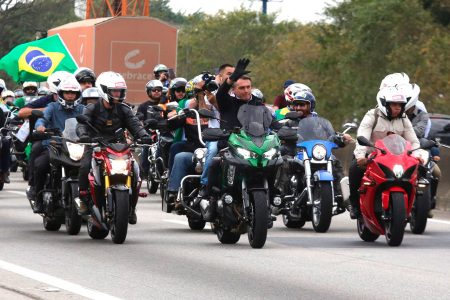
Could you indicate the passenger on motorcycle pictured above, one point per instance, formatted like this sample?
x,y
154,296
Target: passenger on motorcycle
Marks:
x,y
161,73
107,116
55,116
182,161
85,77
389,117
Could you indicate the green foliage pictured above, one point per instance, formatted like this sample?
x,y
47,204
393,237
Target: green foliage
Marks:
x,y
207,42
20,22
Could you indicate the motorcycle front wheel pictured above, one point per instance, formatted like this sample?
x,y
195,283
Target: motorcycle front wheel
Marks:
x,y
152,185
395,226
293,224
419,212
258,219
119,221
72,218
322,208
364,233
226,236
94,232
196,224
51,224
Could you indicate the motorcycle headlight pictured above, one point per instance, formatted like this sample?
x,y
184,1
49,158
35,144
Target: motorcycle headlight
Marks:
x,y
271,153
398,171
245,154
75,151
319,151
199,153
119,166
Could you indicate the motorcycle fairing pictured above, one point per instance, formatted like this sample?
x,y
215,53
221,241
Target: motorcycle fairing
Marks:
x,y
323,175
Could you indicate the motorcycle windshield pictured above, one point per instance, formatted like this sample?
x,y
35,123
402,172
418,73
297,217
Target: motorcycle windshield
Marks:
x,y
395,144
314,128
255,120
70,132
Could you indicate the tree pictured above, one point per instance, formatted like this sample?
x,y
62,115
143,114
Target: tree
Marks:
x,y
20,20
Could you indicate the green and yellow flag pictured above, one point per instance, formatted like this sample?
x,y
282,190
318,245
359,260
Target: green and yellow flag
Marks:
x,y
36,60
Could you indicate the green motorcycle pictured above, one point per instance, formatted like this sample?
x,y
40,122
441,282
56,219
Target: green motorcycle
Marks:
x,y
248,168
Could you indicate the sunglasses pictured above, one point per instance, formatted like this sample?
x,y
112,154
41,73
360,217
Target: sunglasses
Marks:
x,y
180,90
300,104
157,90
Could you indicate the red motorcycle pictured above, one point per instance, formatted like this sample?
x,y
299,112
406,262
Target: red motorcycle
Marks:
x,y
114,185
387,189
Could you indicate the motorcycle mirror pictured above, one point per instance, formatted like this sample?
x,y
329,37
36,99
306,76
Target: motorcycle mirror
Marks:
x,y
293,115
447,127
172,105
37,113
206,113
364,142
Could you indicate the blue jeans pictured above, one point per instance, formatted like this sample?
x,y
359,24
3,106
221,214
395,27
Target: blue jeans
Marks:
x,y
212,151
174,150
182,166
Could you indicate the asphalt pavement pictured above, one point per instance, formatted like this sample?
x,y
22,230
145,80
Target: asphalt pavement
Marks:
x,y
163,259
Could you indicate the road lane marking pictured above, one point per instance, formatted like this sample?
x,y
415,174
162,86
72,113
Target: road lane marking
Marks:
x,y
17,193
176,222
54,281
439,221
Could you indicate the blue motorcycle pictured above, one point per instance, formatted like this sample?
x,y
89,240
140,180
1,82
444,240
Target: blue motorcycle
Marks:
x,y
311,194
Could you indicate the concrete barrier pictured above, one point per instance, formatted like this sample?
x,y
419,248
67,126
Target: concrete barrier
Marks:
x,y
443,194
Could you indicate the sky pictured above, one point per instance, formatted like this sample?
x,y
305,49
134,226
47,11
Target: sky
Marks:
x,y
303,11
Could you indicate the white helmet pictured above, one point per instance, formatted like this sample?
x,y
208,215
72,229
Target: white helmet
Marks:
x,y
160,68
2,85
90,93
391,94
394,79
111,81
30,84
257,93
412,92
55,79
69,84
155,83
294,88
7,93
43,91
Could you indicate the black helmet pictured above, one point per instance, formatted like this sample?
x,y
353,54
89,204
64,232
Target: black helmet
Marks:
x,y
85,75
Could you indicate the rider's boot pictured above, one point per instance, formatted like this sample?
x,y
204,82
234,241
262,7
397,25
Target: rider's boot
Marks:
x,y
84,200
132,218
38,205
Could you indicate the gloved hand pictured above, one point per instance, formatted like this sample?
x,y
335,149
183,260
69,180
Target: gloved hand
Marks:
x,y
240,69
146,139
84,139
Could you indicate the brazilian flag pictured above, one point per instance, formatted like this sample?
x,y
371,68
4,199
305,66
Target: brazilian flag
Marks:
x,y
280,113
36,60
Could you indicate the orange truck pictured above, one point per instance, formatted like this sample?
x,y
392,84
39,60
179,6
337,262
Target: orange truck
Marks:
x,y
131,46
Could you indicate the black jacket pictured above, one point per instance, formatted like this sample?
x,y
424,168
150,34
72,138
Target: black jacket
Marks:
x,y
229,106
107,121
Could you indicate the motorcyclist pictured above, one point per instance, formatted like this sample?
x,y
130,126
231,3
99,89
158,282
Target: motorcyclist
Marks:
x,y
43,91
30,91
161,73
107,116
386,119
5,158
90,96
301,100
153,88
41,103
85,77
55,116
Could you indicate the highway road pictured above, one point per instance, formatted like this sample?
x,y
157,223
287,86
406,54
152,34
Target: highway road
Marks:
x,y
163,259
